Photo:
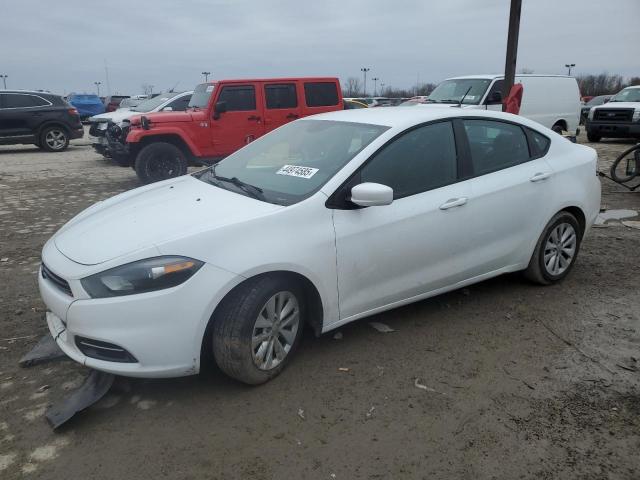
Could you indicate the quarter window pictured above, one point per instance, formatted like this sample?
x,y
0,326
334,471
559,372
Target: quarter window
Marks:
x,y
495,145
281,96
540,143
420,160
320,94
240,98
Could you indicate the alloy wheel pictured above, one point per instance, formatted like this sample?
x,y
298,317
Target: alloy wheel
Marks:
x,y
55,139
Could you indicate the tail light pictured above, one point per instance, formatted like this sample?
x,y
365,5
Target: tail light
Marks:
x,y
73,111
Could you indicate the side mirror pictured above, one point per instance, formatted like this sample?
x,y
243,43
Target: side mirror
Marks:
x,y
167,109
495,97
371,195
219,108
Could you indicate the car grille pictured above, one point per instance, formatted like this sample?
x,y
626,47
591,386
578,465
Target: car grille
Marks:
x,y
613,115
59,282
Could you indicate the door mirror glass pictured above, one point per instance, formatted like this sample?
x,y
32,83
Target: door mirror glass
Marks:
x,y
371,194
220,107
167,109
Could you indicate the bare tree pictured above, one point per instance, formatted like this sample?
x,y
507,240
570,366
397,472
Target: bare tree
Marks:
x,y
353,87
147,89
525,70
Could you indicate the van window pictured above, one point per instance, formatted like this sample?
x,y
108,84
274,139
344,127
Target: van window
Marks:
x,y
281,96
497,87
239,98
495,145
320,94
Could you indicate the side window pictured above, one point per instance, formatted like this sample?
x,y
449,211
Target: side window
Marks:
x,y
496,87
495,145
239,98
180,104
321,94
281,96
420,160
18,101
540,143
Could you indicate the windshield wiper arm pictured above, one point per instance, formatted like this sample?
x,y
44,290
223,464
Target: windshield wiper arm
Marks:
x,y
251,190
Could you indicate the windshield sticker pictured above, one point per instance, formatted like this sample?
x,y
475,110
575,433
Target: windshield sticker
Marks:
x,y
296,171
210,89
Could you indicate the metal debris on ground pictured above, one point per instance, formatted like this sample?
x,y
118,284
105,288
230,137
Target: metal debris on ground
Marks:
x,y
381,327
94,387
343,369
370,412
424,387
338,336
301,414
45,350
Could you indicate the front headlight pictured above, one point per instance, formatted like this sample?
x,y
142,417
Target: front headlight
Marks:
x,y
591,112
636,115
141,276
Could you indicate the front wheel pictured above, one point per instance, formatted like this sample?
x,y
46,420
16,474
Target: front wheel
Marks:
x,y
257,328
556,250
160,161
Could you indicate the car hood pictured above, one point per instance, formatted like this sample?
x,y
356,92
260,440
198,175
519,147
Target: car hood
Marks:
x,y
116,116
619,105
152,215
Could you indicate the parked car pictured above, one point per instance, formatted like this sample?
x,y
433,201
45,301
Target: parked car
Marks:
x,y
87,104
551,100
222,117
42,119
594,101
324,221
350,104
112,102
619,118
100,124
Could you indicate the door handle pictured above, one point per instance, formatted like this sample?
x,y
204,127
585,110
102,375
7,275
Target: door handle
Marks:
x,y
291,116
540,176
254,117
453,202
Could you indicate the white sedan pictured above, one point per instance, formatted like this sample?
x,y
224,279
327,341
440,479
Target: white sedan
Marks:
x,y
323,221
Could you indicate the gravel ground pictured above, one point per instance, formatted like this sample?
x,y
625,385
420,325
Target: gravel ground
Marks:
x,y
521,381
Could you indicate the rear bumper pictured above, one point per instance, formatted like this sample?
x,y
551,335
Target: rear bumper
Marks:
x,y
77,133
613,130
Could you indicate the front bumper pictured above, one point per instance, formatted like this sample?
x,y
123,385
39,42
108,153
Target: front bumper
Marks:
x,y
162,330
614,130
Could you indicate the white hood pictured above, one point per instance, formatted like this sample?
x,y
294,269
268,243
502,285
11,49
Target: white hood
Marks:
x,y
116,116
619,105
152,215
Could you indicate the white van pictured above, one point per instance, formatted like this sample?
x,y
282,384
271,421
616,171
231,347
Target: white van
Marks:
x,y
551,100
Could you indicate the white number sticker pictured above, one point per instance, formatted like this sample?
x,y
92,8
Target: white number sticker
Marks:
x,y
296,171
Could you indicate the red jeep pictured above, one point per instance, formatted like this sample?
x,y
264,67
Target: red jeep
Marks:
x,y
222,117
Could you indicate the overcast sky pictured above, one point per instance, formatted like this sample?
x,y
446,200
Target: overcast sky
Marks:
x,y
63,45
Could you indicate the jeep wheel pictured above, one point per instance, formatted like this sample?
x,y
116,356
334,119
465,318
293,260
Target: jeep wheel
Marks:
x,y
160,161
54,139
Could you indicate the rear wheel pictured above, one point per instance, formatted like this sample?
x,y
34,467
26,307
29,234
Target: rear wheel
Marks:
x,y
257,328
53,139
160,161
556,250
592,137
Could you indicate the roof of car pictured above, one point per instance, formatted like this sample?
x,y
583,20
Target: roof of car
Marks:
x,y
403,117
492,76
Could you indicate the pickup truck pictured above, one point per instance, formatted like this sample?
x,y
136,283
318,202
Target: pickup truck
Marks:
x,y
222,117
619,118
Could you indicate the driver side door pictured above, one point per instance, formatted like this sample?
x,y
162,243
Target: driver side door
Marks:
x,y
418,243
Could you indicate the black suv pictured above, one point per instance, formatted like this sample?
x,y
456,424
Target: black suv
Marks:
x,y
43,119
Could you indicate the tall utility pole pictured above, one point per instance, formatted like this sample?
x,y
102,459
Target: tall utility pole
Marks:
x,y
364,70
512,49
97,84
375,86
206,76
4,80
569,66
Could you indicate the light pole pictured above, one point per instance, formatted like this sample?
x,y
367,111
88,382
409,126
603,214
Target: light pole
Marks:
x,y
381,88
206,76
569,66
4,80
364,70
375,86
97,84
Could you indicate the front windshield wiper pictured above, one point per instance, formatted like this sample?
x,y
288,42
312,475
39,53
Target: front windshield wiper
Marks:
x,y
251,190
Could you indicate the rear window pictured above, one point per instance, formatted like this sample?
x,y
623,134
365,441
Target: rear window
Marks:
x,y
321,94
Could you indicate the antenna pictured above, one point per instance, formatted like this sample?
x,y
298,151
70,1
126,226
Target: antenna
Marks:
x,y
464,96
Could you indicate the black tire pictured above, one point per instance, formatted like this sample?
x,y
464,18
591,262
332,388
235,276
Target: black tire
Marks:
x,y
537,271
160,161
592,137
121,160
53,139
234,322
558,128
615,174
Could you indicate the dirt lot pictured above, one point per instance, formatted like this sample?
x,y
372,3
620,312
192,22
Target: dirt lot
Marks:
x,y
522,381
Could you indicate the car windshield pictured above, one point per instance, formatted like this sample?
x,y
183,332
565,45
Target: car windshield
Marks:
x,y
201,95
292,162
152,103
451,91
627,95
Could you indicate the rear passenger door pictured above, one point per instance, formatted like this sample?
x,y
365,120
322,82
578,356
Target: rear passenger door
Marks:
x,y
242,123
509,191
320,97
281,104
